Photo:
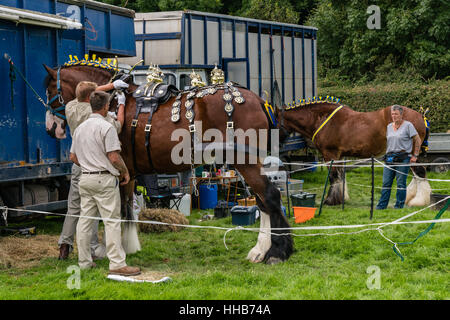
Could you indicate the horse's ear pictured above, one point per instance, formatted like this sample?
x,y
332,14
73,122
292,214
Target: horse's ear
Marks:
x,y
50,71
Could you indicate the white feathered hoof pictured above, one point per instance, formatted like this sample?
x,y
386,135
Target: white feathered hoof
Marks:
x,y
411,191
255,255
130,239
258,252
423,194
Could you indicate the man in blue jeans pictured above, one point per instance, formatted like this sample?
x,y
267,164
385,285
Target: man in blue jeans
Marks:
x,y
401,135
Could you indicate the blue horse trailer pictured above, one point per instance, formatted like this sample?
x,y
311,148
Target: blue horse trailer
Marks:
x,y
254,53
34,166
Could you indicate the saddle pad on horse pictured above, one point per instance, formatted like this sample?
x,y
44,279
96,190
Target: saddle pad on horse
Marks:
x,y
150,95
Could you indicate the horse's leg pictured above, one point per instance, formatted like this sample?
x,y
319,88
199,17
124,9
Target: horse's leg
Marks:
x,y
258,252
271,247
334,196
130,240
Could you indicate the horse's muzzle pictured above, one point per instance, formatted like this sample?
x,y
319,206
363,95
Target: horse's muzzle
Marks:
x,y
52,131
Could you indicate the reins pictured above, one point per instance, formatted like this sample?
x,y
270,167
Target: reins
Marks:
x,y
56,112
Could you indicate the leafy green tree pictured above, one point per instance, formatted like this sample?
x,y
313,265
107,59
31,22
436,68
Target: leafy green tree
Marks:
x,y
168,5
273,10
199,5
414,37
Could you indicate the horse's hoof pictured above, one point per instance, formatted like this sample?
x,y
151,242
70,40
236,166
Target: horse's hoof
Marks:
x,y
332,202
273,260
254,256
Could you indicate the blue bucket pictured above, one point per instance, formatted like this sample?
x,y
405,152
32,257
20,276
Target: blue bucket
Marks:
x,y
208,196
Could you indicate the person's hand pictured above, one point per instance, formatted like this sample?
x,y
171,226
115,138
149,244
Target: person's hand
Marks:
x,y
125,179
119,84
413,159
120,96
112,115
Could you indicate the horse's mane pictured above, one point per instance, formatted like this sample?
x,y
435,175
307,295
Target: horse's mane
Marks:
x,y
311,102
93,63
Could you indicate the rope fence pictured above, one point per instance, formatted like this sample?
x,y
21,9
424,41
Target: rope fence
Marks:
x,y
378,226
367,227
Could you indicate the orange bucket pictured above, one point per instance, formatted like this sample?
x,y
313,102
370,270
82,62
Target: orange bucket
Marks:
x,y
303,214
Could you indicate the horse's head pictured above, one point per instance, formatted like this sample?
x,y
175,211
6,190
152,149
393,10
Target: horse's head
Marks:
x,y
57,96
60,86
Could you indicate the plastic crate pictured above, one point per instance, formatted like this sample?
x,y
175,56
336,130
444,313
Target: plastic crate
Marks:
x,y
295,186
303,199
243,216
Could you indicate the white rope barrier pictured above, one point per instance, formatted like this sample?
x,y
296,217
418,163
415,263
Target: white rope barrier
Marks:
x,y
268,230
337,163
393,187
381,165
406,174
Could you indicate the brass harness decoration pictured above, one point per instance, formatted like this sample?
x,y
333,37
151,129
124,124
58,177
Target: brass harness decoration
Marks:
x,y
154,92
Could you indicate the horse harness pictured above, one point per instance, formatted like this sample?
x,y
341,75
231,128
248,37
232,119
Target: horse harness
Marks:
x,y
326,121
149,96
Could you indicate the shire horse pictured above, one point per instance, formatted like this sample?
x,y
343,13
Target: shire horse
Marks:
x,y
346,133
271,247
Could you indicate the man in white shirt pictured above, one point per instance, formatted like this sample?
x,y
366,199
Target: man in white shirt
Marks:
x,y
96,149
77,111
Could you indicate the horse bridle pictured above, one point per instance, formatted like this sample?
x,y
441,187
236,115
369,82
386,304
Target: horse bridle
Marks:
x,y
59,97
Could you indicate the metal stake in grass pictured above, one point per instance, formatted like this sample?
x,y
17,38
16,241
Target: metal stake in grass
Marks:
x,y
373,189
325,188
343,187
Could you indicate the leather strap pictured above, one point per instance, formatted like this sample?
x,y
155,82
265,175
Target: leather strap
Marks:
x,y
147,130
134,124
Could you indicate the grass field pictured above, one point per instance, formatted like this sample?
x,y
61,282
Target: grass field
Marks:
x,y
322,267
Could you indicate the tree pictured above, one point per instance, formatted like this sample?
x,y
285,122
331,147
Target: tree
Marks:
x,y
168,5
414,36
273,10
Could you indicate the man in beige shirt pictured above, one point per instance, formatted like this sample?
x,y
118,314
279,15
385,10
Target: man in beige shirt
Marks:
x,y
77,111
96,149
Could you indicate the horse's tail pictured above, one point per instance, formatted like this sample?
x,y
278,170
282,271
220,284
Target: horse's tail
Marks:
x,y
424,146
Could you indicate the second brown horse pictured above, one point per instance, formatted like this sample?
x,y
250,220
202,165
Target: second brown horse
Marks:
x,y
348,133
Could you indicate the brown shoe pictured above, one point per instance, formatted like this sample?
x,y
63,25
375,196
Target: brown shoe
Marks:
x,y
126,271
64,251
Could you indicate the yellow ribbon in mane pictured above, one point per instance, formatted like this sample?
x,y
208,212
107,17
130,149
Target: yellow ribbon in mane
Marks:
x,y
325,122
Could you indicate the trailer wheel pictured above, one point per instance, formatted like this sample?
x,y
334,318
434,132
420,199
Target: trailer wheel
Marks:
x,y
444,167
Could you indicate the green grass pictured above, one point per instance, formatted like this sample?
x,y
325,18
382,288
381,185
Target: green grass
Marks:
x,y
322,267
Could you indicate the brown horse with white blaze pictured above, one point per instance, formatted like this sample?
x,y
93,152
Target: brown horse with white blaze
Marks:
x,y
272,247
347,133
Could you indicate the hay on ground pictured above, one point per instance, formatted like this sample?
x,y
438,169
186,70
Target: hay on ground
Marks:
x,y
21,252
151,275
161,215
